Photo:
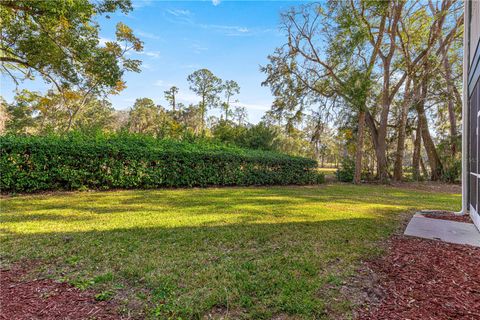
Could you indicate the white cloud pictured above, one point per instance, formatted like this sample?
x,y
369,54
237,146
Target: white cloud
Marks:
x,y
179,12
227,29
152,54
180,16
216,2
141,3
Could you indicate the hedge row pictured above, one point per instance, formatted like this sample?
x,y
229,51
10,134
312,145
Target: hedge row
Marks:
x,y
29,164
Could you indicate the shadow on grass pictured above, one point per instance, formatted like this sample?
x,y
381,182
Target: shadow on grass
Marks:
x,y
15,217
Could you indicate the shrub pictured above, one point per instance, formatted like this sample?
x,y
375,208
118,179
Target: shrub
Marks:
x,y
346,172
76,162
452,170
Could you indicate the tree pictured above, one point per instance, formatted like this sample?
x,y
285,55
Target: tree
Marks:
x,y
19,114
170,96
401,136
362,54
205,84
305,69
230,89
34,113
191,119
240,115
144,117
425,35
97,115
59,40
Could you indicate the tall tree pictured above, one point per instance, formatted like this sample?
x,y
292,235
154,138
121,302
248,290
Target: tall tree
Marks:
x,y
422,37
206,85
240,115
401,134
386,53
305,66
170,96
230,89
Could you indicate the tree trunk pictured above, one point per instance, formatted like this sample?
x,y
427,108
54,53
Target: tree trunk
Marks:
x,y
453,126
382,128
357,179
433,158
417,147
202,111
424,169
398,169
380,150
452,98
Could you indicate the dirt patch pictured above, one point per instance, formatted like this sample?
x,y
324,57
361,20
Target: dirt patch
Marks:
x,y
425,279
23,298
447,215
431,186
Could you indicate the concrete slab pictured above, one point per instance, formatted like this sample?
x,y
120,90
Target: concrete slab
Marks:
x,y
443,230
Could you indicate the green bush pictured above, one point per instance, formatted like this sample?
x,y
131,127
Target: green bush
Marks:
x,y
346,172
452,170
75,162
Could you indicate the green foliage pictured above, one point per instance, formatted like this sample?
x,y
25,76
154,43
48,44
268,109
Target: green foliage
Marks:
x,y
346,171
59,40
259,136
208,86
77,162
54,112
452,163
230,89
452,170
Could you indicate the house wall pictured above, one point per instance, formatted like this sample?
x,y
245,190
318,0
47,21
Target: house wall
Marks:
x,y
472,115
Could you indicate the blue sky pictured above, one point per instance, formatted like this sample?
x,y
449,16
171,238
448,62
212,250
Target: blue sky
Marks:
x,y
231,38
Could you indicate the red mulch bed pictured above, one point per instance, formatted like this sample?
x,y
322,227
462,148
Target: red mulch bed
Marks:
x,y
47,299
446,215
424,279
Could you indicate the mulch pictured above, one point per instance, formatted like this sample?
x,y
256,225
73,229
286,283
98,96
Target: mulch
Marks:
x,y
430,186
21,298
425,280
447,215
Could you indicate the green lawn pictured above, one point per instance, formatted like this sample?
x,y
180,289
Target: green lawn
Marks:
x,y
330,173
252,253
328,170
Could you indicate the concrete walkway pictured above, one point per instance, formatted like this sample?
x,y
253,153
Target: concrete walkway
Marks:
x,y
443,230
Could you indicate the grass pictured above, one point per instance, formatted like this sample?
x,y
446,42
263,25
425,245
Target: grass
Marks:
x,y
252,253
328,170
330,173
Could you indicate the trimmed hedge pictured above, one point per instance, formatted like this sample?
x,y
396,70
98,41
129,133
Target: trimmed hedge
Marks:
x,y
29,164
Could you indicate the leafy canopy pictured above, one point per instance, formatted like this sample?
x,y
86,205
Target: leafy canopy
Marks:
x,y
59,40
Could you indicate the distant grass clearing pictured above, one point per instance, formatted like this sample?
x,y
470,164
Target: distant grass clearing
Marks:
x,y
250,253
